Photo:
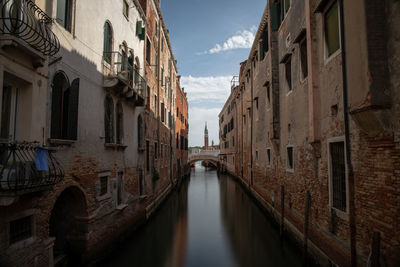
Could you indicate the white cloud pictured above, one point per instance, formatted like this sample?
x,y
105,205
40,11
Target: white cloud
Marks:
x,y
207,89
206,96
242,39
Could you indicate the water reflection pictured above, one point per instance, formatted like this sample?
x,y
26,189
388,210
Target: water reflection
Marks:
x,y
209,221
254,240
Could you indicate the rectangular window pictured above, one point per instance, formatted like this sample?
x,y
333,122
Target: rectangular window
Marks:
x,y
103,185
156,29
156,65
64,13
20,229
332,37
288,73
148,51
257,155
125,9
303,58
338,176
147,156
268,156
162,76
162,151
233,141
162,112
269,94
155,150
289,158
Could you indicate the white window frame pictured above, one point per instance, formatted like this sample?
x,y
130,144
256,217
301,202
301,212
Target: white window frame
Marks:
x,y
326,56
269,159
287,159
28,241
108,194
339,213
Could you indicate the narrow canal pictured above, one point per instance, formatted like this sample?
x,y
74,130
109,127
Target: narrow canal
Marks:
x,y
209,221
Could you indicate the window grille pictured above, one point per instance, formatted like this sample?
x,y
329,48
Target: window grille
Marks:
x,y
338,175
20,229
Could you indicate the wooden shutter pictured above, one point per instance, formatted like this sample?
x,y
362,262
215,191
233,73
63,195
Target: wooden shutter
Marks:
x,y
162,112
143,34
139,27
275,16
73,105
107,43
109,120
56,106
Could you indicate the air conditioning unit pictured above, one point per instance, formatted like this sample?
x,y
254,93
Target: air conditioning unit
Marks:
x,y
16,175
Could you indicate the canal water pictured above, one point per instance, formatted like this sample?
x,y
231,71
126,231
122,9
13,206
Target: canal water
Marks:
x,y
208,221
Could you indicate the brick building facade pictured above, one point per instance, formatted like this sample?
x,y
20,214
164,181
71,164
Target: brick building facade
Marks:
x,y
317,115
182,130
86,152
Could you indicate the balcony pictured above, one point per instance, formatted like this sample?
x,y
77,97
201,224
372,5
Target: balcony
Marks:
x,y
27,167
24,25
120,74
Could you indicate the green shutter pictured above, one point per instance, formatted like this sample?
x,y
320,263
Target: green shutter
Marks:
x,y
139,28
155,65
162,75
261,48
162,112
275,16
143,34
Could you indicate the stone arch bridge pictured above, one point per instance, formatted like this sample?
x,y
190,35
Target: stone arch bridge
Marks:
x,y
209,156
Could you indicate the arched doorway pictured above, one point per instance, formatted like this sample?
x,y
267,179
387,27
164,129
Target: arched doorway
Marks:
x,y
67,228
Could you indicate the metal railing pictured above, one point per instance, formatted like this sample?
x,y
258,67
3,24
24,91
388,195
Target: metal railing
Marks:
x,y
27,165
115,65
26,21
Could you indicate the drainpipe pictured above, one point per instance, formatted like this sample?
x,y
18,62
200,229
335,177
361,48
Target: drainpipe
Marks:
x,y
242,136
251,126
352,221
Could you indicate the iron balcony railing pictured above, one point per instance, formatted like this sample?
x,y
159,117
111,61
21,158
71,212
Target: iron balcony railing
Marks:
x,y
27,22
115,65
27,165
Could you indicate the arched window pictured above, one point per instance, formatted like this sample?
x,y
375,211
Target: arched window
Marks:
x,y
120,123
64,108
109,120
140,129
108,39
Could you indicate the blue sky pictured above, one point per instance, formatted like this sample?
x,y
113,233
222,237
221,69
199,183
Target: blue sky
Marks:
x,y
210,38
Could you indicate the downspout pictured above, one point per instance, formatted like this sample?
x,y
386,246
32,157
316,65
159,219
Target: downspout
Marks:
x,y
158,92
352,222
251,126
242,137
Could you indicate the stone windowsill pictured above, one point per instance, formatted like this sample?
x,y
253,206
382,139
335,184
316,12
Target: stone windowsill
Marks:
x,y
61,142
115,146
121,207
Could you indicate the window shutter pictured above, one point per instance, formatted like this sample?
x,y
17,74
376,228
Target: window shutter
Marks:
x,y
143,34
275,16
261,48
139,27
162,112
73,110
56,110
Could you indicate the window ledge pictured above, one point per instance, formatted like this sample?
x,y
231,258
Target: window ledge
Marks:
x,y
290,170
115,146
340,214
65,142
121,207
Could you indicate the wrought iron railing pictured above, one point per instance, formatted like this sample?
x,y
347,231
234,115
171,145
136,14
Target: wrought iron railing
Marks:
x,y
116,66
26,21
27,165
